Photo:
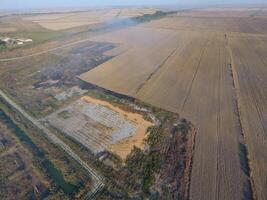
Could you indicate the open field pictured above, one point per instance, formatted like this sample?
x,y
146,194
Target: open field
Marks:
x,y
68,20
205,68
146,51
60,21
7,29
54,29
212,23
100,126
225,12
16,27
12,24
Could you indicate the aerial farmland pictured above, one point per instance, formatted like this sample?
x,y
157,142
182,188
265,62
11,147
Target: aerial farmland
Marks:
x,y
211,70
59,21
137,102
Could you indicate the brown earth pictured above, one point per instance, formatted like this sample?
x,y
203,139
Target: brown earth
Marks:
x,y
124,147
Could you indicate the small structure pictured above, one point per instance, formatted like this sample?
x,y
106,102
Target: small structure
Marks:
x,y
10,42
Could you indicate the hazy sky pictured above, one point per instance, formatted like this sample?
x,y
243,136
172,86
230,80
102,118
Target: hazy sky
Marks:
x,y
28,4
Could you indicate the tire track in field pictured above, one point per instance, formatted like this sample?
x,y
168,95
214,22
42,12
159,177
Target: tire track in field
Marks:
x,y
158,68
218,125
207,144
194,76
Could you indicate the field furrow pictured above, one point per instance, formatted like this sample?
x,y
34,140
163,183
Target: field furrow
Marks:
x,y
184,63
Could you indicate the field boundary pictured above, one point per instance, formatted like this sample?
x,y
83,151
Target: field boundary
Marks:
x,y
237,105
194,76
157,69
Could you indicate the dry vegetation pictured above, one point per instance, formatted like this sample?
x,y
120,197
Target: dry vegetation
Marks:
x,y
61,21
211,69
19,178
41,168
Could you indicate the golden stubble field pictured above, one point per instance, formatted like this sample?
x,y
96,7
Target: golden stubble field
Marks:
x,y
211,70
60,21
